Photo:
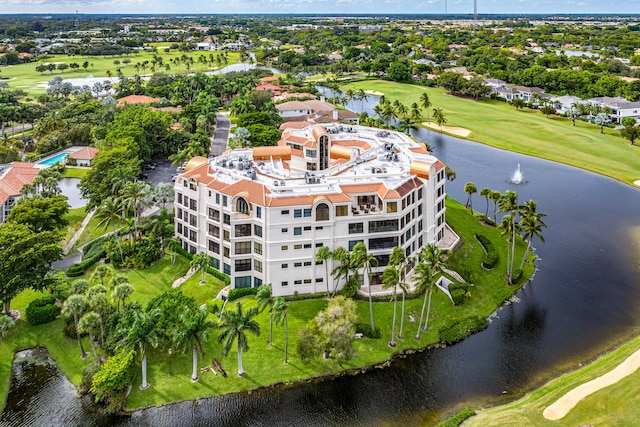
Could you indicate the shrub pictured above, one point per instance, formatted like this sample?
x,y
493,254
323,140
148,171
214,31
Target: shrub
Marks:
x,y
87,375
219,275
517,275
234,294
42,310
113,378
61,290
458,418
75,270
458,330
365,329
491,259
458,296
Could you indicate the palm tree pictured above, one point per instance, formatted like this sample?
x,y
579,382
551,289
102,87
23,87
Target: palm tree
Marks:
x,y
349,96
75,305
323,255
423,278
363,97
439,117
135,197
432,256
531,225
343,257
280,310
378,110
508,204
101,272
173,245
179,158
200,261
119,177
495,196
139,335
163,193
265,299
398,259
362,259
88,324
121,292
425,102
390,279
415,113
79,286
109,213
192,333
486,193
470,188
5,324
98,303
234,326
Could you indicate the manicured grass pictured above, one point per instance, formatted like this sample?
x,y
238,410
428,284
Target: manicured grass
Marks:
x,y
75,218
611,406
24,76
498,124
264,363
93,231
75,172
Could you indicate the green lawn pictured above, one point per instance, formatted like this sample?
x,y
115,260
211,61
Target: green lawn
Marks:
x,y
75,172
24,76
264,364
527,131
611,406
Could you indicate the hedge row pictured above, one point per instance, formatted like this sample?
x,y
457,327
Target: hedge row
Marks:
x,y
215,273
491,259
458,418
42,310
365,329
241,292
91,254
458,330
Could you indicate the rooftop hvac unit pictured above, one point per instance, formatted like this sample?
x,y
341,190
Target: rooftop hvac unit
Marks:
x,y
275,183
252,174
282,183
223,163
395,157
240,166
231,164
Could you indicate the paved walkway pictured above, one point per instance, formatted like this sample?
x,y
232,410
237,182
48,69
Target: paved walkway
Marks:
x,y
220,135
79,232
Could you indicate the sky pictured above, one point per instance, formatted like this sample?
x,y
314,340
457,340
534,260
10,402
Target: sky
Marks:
x,y
321,6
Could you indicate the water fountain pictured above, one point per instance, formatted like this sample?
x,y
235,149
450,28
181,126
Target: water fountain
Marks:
x,y
517,178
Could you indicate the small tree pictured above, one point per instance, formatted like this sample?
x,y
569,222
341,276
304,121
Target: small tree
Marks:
x,y
199,262
470,189
74,305
630,131
5,324
601,120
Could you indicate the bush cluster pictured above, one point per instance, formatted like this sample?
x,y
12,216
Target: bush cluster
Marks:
x,y
91,254
139,255
458,330
491,259
365,329
234,294
458,292
458,418
42,310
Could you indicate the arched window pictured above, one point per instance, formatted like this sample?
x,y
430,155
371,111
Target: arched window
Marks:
x,y
322,212
242,206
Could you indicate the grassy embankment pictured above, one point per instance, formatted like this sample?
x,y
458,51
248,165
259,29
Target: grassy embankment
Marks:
x,y
25,76
612,406
264,364
527,131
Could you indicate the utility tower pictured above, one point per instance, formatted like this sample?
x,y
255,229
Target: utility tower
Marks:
x,y
475,10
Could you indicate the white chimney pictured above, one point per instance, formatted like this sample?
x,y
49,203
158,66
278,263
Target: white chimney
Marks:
x,y
335,114
322,98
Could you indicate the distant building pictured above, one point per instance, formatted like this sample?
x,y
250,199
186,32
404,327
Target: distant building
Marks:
x,y
12,177
83,157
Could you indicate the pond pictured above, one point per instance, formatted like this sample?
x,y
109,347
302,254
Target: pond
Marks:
x,y
69,188
583,301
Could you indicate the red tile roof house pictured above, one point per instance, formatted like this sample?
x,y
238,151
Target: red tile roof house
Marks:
x,y
137,99
12,178
83,157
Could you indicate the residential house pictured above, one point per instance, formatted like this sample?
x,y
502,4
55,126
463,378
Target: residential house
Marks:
x,y
83,157
12,177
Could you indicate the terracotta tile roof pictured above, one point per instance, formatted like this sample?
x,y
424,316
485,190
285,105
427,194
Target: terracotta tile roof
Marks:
x,y
440,165
12,180
295,125
137,99
86,153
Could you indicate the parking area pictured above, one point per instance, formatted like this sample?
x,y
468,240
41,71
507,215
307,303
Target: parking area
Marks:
x,y
162,172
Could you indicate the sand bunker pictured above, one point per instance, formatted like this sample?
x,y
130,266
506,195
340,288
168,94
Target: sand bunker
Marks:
x,y
562,406
637,182
449,129
373,92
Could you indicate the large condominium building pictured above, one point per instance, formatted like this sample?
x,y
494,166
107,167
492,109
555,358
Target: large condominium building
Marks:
x,y
262,213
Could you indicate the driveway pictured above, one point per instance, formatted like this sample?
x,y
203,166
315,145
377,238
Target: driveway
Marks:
x,y
220,135
162,173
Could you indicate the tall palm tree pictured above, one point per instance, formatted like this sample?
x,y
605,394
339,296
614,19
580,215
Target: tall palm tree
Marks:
x,y
192,333
486,193
439,117
139,335
398,259
425,102
109,212
235,325
363,97
75,305
531,225
423,279
415,113
495,196
173,245
98,303
135,197
89,324
178,159
363,259
470,188
323,255
390,279
508,204
199,262
378,110
343,269
349,96
119,178
101,272
120,293
280,311
432,256
265,299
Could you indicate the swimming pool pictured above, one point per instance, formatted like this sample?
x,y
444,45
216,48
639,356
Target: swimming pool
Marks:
x,y
55,159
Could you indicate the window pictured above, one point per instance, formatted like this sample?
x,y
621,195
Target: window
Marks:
x,y
319,228
340,211
419,210
284,248
307,281
225,235
257,282
319,245
307,245
258,212
352,243
243,282
179,228
383,260
242,206
420,193
285,265
214,247
284,212
257,248
210,213
214,230
227,219
218,198
243,230
392,207
297,282
225,252
243,248
307,212
307,263
382,226
243,265
297,213
322,212
307,228
224,200
284,283
356,228
226,268
383,243
257,230
319,280
193,205
297,231
180,198
193,236
297,264
215,263
310,153
257,265
179,213
285,230
193,220
185,201
298,246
